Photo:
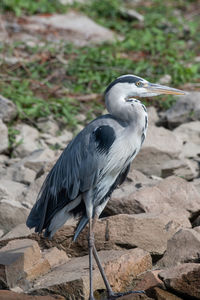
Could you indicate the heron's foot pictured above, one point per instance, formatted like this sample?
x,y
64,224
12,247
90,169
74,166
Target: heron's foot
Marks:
x,y
117,295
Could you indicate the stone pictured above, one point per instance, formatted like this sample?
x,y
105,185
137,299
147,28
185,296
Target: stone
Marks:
x,y
12,213
182,247
164,295
186,109
20,230
38,159
159,148
21,261
30,194
10,190
10,295
3,137
59,141
147,281
188,132
166,79
27,140
172,193
131,14
72,279
152,115
183,168
74,27
1,233
48,126
197,228
147,231
8,110
184,279
55,256
20,174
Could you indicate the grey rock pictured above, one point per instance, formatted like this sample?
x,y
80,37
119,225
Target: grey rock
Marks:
x,y
160,147
172,192
8,109
12,213
27,140
131,14
76,28
3,137
189,134
186,109
60,140
48,126
183,247
184,168
10,190
20,230
166,79
152,115
19,174
30,194
38,159
184,279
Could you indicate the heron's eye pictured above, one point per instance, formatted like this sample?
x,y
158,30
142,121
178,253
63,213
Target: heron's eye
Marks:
x,y
139,83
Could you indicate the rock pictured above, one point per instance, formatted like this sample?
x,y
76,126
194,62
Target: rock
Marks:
x,y
196,183
73,26
184,279
152,115
48,126
72,279
59,141
159,148
137,296
38,159
183,168
27,140
186,109
12,213
20,260
164,295
10,190
166,79
3,137
20,230
1,233
30,195
183,247
197,228
20,174
189,134
8,109
170,194
131,14
10,295
146,231
147,281
55,257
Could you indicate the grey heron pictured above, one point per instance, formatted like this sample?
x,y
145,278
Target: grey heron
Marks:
x,y
94,163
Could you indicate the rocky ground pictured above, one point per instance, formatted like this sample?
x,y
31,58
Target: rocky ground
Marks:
x,y
149,235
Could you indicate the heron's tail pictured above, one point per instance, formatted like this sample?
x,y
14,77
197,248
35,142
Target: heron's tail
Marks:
x,y
81,225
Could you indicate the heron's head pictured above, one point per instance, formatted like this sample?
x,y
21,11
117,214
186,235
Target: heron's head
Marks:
x,y
130,86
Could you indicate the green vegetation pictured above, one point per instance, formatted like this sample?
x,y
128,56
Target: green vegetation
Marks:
x,y
49,81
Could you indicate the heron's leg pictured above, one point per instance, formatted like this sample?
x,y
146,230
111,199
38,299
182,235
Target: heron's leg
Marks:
x,y
91,245
96,256
111,294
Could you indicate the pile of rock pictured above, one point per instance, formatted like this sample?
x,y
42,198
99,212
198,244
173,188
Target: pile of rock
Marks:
x,y
149,236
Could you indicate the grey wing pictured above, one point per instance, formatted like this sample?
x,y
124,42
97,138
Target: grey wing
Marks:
x,y
75,172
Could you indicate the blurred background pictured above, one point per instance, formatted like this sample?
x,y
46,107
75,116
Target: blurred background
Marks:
x,y
59,65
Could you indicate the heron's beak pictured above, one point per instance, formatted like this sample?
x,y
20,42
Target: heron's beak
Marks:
x,y
162,89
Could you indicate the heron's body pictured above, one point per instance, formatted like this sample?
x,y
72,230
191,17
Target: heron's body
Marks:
x,y
95,162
